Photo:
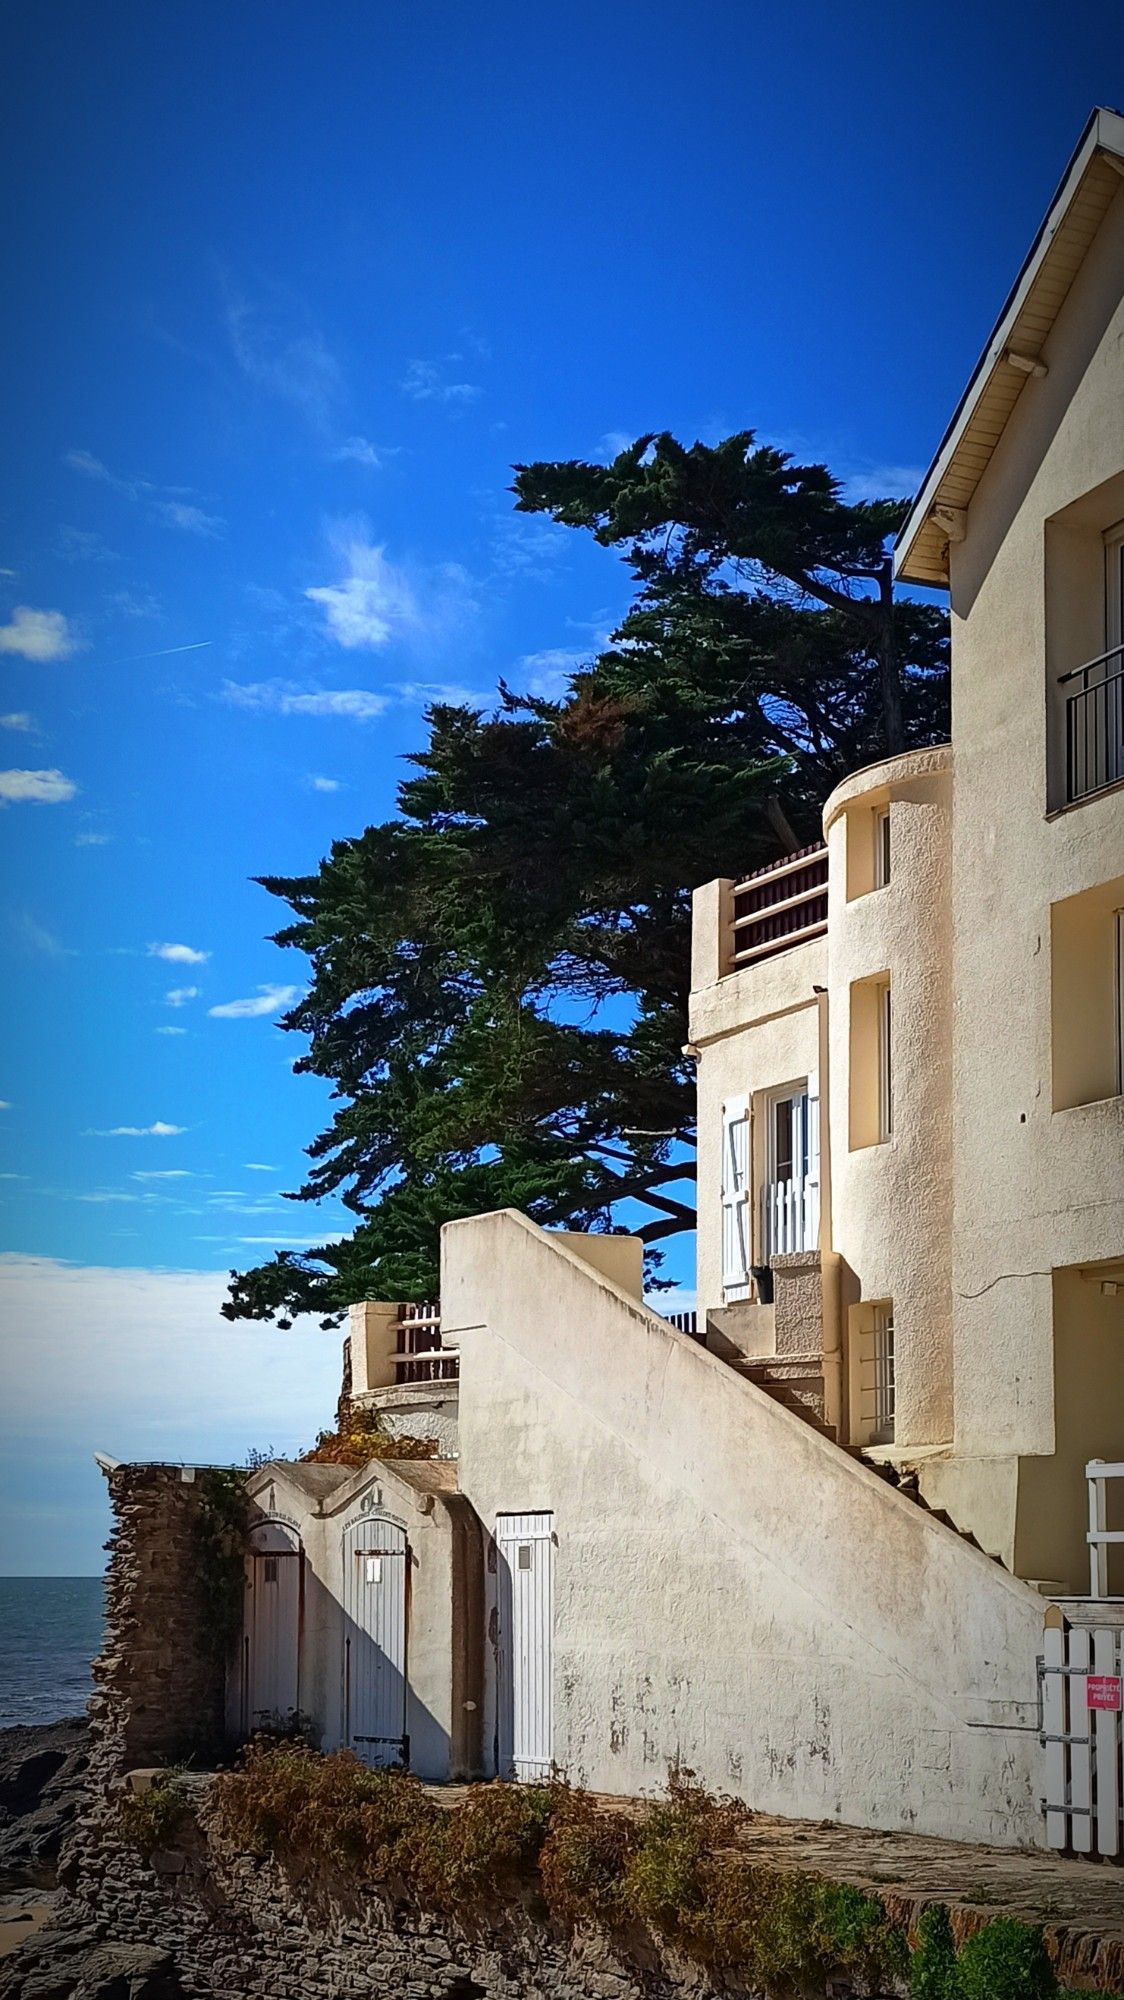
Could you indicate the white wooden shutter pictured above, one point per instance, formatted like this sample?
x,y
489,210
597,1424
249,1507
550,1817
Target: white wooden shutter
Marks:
x,y
812,1186
735,1198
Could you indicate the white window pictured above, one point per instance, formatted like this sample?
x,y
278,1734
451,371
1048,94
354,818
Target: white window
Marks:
x,y
884,1388
790,1197
881,847
885,1065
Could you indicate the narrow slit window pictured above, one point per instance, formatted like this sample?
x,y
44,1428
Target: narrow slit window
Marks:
x,y
882,847
270,1570
885,1065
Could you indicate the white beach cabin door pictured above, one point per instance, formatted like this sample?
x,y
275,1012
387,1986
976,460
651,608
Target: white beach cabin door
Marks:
x,y
271,1627
525,1631
735,1200
374,1642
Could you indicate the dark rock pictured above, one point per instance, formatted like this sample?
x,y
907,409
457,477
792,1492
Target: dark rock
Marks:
x,y
128,1972
42,1772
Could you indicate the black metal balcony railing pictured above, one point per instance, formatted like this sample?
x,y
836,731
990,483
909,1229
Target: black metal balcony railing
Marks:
x,y
1094,725
779,906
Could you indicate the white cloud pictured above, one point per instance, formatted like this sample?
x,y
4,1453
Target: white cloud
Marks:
x,y
267,1000
316,784
39,788
38,635
82,545
90,839
178,954
164,1174
18,719
879,482
178,996
157,1130
35,937
285,698
373,603
361,451
93,468
547,674
611,444
452,693
376,602
174,1380
167,1029
297,1242
260,1167
6,1106
425,382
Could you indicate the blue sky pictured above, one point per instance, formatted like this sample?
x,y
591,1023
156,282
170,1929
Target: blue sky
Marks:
x,y
295,286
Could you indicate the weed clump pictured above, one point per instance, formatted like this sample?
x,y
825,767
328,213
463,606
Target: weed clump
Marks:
x,y
363,1437
151,1820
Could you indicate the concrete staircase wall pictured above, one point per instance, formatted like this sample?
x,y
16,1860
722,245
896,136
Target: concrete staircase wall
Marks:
x,y
732,1588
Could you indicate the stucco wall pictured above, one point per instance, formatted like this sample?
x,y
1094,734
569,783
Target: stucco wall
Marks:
x,y
1034,1188
891,1202
730,1588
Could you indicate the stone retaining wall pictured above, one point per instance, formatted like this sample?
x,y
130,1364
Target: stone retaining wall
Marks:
x,y
237,1928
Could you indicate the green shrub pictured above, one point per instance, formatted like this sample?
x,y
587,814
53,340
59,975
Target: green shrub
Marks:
x,y
287,1800
583,1860
151,1820
1005,1961
490,1844
932,1973
853,1934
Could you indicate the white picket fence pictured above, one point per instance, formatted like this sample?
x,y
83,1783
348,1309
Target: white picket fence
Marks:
x,y
1082,1678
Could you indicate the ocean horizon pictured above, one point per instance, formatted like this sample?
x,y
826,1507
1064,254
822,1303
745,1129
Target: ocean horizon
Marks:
x,y
51,1630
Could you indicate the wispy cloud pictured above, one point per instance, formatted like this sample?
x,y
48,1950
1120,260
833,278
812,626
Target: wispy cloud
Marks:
x,y
611,444
180,995
193,520
164,1174
548,674
177,506
376,602
5,1105
38,788
429,382
260,1167
83,545
32,936
159,1129
361,451
92,839
286,698
167,1029
178,954
295,365
38,635
163,653
267,1000
317,784
18,719
881,482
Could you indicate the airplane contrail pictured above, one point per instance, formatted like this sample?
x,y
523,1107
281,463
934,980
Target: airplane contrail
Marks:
x,y
132,658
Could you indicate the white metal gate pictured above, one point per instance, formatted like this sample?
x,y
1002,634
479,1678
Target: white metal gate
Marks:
x,y
271,1628
1081,1726
525,1678
374,1647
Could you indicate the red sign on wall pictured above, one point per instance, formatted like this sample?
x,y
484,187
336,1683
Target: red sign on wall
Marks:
x,y
1104,1691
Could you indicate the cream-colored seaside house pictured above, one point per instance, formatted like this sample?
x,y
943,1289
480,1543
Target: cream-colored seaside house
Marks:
x,y
809,1544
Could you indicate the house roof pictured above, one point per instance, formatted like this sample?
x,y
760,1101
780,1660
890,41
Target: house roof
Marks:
x,y
1088,186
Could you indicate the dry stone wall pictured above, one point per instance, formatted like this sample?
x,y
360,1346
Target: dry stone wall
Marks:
x,y
159,1683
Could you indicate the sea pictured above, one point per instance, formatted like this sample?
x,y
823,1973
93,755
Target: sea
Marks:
x,y
50,1630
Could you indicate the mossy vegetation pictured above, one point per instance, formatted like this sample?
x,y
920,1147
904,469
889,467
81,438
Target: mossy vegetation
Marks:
x,y
221,1536
674,1870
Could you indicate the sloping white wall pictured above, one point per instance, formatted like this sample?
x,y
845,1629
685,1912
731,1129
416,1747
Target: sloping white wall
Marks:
x,y
730,1589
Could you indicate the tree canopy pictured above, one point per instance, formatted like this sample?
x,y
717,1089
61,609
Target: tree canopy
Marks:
x,y
499,974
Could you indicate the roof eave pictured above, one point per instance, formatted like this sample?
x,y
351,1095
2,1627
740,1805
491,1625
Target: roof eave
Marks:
x,y
1103,134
